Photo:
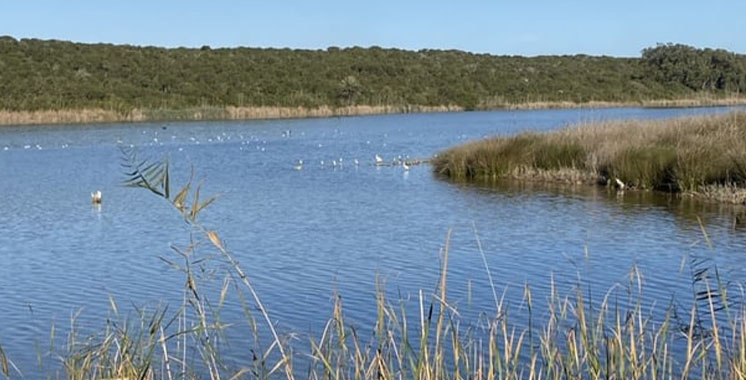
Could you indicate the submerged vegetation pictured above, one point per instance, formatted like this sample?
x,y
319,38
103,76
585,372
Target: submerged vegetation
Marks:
x,y
58,81
567,336
701,155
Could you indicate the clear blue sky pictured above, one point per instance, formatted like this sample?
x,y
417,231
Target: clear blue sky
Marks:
x,y
617,28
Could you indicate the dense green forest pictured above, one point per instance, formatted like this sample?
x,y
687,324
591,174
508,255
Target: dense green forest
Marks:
x,y
53,75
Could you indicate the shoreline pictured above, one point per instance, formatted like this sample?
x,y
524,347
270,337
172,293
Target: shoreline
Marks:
x,y
712,193
695,156
100,115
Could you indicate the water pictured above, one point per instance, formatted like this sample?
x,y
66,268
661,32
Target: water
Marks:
x,y
301,235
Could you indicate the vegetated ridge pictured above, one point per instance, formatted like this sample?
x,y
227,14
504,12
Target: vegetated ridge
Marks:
x,y
56,81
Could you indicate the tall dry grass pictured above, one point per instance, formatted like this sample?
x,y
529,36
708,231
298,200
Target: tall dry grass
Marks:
x,y
98,115
700,101
697,155
203,113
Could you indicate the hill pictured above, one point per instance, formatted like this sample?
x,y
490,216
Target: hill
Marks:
x,y
49,75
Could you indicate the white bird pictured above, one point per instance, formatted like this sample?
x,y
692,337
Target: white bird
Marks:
x,y
379,160
96,197
357,162
620,184
405,166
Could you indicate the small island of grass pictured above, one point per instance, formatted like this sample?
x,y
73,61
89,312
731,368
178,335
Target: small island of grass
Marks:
x,y
701,156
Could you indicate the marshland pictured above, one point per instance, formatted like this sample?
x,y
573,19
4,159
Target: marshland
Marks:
x,y
351,270
699,156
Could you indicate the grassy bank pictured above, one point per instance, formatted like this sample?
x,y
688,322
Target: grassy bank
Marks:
x,y
703,156
97,115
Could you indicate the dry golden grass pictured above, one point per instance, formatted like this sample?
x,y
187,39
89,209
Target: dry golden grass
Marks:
x,y
702,101
203,113
702,156
97,115
59,117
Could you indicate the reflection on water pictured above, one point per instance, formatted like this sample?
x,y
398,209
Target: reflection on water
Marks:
x,y
301,234
689,211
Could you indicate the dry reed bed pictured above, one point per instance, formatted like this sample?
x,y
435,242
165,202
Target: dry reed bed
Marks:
x,y
203,113
98,115
705,101
701,156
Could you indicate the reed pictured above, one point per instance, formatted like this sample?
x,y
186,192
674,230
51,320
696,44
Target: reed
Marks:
x,y
572,338
95,115
699,156
100,115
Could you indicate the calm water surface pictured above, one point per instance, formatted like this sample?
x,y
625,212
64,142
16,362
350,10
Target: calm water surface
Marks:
x,y
303,234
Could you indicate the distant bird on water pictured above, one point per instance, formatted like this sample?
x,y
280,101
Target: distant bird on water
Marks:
x,y
379,160
96,197
405,166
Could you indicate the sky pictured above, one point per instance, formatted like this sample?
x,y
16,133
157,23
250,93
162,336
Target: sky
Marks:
x,y
539,27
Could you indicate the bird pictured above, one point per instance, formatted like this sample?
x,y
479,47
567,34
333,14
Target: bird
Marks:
x,y
96,197
405,166
357,162
620,184
379,160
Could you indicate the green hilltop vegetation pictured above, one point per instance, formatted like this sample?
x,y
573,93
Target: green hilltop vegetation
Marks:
x,y
58,75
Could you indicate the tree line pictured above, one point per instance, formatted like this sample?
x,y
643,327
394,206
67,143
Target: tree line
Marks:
x,y
49,74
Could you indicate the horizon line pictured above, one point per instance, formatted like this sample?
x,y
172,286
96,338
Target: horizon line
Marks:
x,y
344,47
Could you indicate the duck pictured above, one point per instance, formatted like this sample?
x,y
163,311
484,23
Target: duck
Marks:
x,y
405,166
379,160
96,197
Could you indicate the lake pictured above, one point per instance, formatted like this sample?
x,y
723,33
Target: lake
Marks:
x,y
303,234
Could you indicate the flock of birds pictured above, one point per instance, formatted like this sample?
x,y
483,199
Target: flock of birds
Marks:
x,y
399,161
260,144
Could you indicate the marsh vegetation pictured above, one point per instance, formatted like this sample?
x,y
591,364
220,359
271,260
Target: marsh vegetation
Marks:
x,y
692,155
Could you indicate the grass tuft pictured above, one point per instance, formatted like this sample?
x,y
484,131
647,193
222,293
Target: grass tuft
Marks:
x,y
695,155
